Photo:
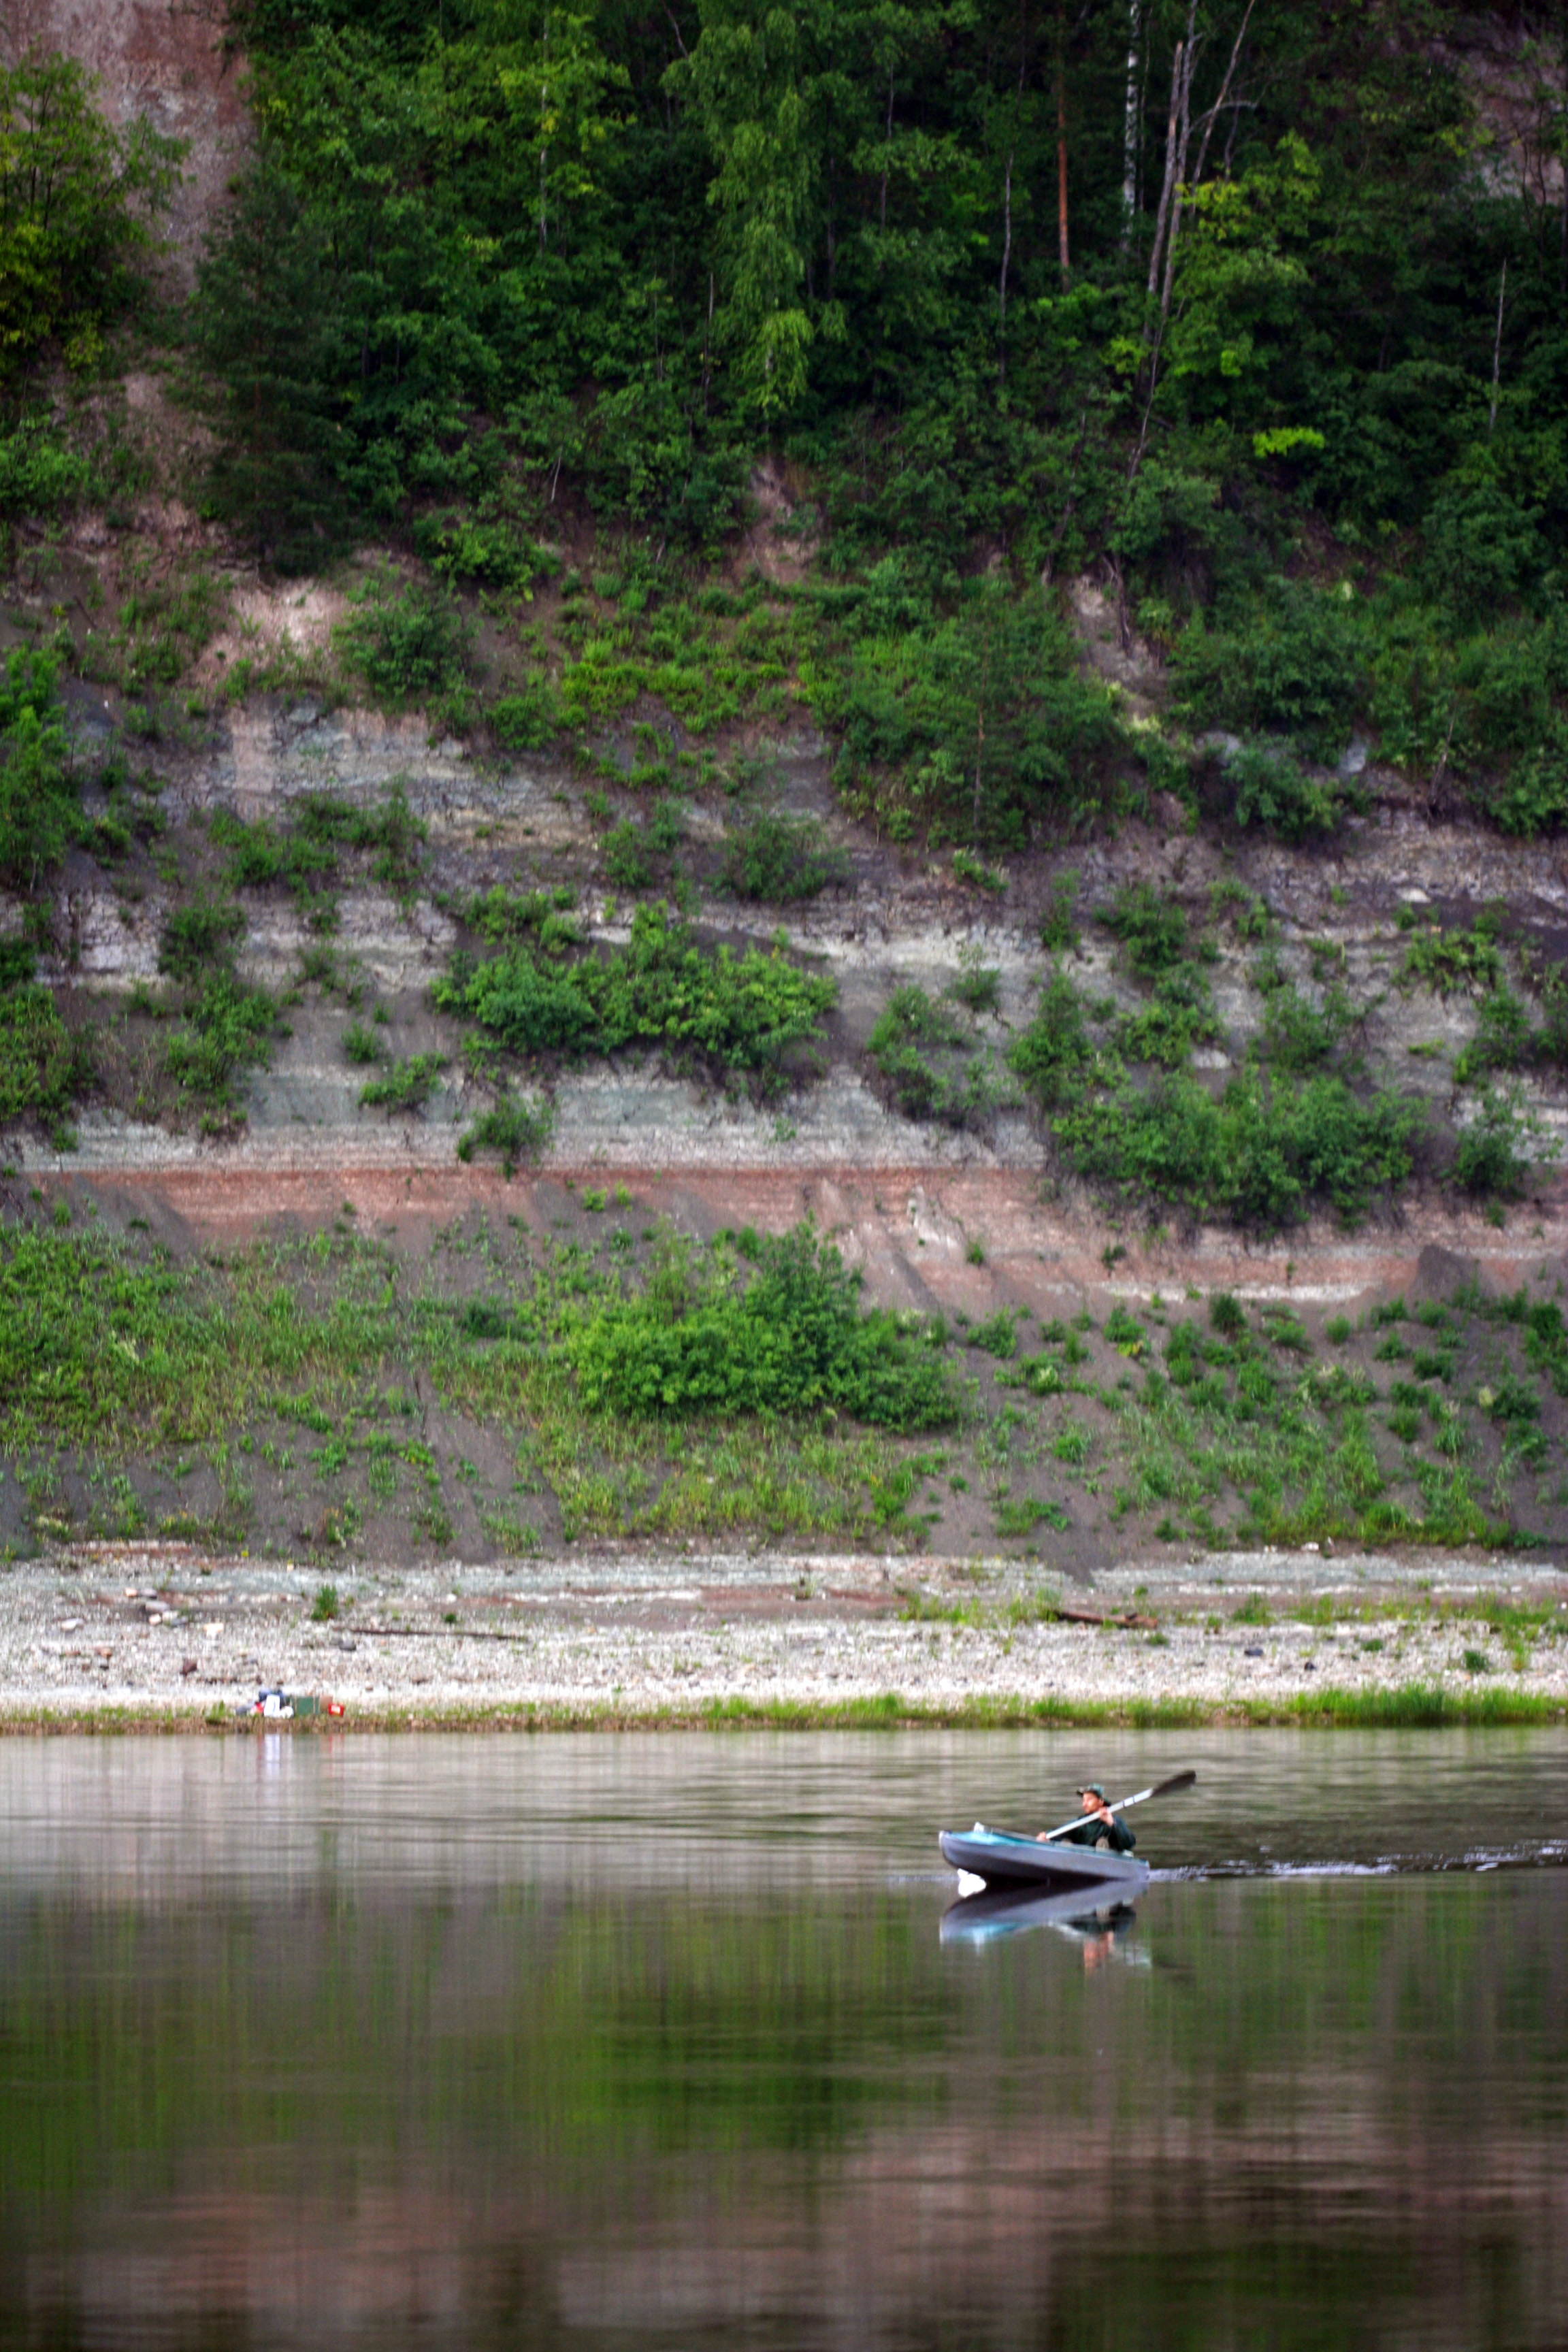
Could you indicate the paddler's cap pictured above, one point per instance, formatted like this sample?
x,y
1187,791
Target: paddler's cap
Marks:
x,y
1094,1790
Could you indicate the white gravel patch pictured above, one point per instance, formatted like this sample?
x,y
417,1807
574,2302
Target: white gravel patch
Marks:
x,y
125,1633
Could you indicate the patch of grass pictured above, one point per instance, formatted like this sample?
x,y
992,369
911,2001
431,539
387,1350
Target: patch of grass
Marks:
x,y
324,1607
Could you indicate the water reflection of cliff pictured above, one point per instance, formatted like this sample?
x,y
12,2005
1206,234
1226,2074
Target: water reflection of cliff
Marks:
x,y
785,2120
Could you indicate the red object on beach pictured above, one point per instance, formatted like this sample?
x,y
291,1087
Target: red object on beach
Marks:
x,y
334,1706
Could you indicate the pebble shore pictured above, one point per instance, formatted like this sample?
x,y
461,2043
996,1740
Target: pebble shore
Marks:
x,y
122,1633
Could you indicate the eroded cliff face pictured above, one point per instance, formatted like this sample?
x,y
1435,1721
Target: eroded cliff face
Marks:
x,y
167,60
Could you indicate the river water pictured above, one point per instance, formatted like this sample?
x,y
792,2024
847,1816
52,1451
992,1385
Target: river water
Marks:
x,y
644,2041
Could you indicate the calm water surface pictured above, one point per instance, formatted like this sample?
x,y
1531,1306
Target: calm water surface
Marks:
x,y
641,2042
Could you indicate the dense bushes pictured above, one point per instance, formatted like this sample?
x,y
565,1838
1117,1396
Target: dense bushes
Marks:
x,y
1261,1154
743,1015
791,1339
970,724
76,200
1284,659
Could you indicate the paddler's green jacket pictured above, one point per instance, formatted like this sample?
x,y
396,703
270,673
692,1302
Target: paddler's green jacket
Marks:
x,y
1092,1831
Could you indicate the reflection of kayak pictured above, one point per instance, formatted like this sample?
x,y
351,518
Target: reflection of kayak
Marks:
x,y
1081,1910
1001,1858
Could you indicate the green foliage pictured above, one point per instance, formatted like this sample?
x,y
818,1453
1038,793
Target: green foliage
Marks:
x,y
77,197
1301,1036
1284,661
1274,793
40,814
199,936
528,719
933,1062
789,1339
974,721
995,1334
409,644
38,474
361,1044
405,1086
303,857
41,1066
1054,1054
1179,1014
513,1128
745,1014
1152,928
1443,960
781,859
1503,1038
1498,1146
1264,1155
229,1030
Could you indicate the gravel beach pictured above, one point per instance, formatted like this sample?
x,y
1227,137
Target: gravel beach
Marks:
x,y
159,1635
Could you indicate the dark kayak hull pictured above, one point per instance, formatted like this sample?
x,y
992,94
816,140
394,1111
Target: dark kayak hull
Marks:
x,y
1003,1859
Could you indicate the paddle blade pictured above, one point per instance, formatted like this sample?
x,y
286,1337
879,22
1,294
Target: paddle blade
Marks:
x,y
1176,1780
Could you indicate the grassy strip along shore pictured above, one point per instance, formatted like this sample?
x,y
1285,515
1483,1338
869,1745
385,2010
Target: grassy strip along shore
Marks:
x,y
1411,1706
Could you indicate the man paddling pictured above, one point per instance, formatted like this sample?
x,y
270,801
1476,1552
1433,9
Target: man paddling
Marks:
x,y
1098,1827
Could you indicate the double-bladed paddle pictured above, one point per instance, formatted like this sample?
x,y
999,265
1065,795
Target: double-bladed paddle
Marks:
x,y
1160,1788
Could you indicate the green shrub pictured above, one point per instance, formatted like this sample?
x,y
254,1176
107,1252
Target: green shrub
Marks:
x,y
1152,928
75,196
1058,924
786,1336
781,859
1497,1148
361,1044
229,1030
407,1085
1502,1039
1287,662
1273,793
200,936
41,1066
514,1127
409,644
977,987
1533,796
995,1334
461,546
624,852
1054,1056
1482,548
304,857
932,1062
40,814
38,473
529,719
1442,959
743,1014
1264,1155
1179,1015
978,719
1301,1036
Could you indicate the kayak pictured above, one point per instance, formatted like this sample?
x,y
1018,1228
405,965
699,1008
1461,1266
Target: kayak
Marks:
x,y
1003,1858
